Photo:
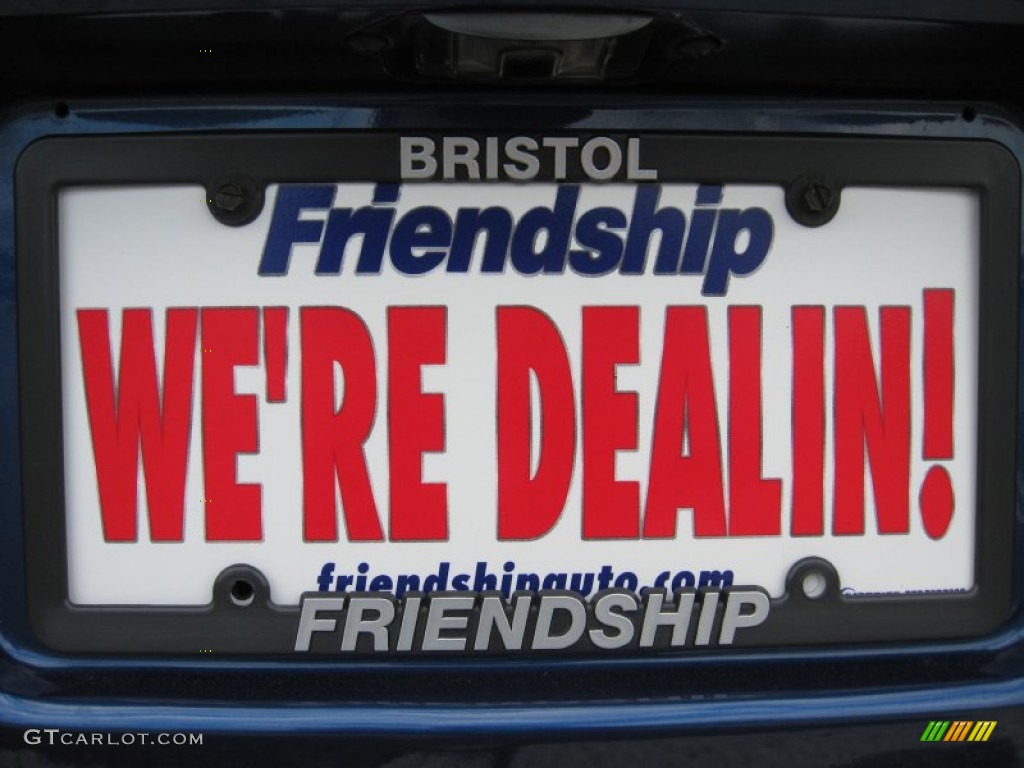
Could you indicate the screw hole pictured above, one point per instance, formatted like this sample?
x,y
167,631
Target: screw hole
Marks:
x,y
242,593
969,114
814,585
61,110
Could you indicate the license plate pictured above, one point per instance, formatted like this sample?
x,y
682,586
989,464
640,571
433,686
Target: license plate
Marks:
x,y
371,393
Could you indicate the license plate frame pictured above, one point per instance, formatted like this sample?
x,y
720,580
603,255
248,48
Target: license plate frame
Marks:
x,y
51,164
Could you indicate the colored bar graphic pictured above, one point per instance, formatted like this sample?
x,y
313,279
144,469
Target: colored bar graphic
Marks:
x,y
935,730
958,730
982,730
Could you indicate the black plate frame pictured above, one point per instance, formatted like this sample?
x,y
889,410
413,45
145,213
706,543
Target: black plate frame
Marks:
x,y
265,628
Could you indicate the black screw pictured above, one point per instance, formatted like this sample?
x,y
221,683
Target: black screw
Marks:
x,y
234,200
817,197
229,197
812,200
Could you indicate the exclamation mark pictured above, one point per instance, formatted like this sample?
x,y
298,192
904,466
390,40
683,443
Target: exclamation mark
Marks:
x,y
936,499
275,351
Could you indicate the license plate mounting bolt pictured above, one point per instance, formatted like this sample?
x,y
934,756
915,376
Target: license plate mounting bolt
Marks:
x,y
812,200
234,200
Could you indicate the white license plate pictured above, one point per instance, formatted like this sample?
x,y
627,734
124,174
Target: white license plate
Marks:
x,y
544,387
